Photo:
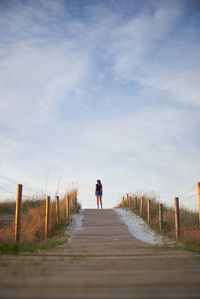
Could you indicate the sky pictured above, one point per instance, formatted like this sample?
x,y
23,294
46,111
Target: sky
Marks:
x,y
100,89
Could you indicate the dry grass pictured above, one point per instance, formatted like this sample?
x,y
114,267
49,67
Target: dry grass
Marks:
x,y
8,206
190,228
33,218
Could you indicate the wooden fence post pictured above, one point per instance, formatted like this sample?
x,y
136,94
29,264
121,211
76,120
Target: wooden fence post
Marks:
x,y
148,210
127,204
71,203
136,204
177,222
76,202
67,207
198,185
141,205
18,212
161,216
123,201
57,210
47,217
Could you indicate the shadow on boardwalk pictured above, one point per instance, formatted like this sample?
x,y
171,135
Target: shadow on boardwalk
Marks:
x,y
102,260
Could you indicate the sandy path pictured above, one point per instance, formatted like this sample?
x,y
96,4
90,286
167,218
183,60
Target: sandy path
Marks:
x,y
101,261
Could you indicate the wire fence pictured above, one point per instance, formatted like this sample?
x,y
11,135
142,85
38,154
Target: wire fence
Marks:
x,y
40,212
173,220
189,197
9,184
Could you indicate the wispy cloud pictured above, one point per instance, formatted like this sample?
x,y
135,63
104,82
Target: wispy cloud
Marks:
x,y
100,89
157,50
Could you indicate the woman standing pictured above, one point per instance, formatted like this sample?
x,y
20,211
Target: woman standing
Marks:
x,y
99,192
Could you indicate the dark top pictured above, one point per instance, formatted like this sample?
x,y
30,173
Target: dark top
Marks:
x,y
98,187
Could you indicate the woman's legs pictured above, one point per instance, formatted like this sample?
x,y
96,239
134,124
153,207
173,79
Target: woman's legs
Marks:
x,y
97,201
100,198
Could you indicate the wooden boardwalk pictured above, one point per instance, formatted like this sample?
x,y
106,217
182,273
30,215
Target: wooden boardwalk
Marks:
x,y
101,261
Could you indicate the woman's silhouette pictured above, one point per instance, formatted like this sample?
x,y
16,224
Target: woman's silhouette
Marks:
x,y
99,193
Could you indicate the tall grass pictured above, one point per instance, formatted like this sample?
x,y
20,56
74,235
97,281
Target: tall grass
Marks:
x,y
28,202
33,218
190,228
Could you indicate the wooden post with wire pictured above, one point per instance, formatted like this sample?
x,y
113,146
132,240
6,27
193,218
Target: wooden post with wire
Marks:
x,y
177,221
141,205
148,210
18,212
198,185
67,207
47,216
57,210
160,216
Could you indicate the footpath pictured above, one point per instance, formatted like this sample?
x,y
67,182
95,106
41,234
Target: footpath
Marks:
x,y
101,260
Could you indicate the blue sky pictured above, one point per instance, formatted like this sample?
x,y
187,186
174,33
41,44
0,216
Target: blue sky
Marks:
x,y
101,90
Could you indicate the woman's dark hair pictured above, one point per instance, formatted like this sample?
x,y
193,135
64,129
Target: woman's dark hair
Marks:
x,y
99,183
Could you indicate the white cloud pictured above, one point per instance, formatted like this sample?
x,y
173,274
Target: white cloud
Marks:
x,y
37,72
147,50
183,85
50,60
136,132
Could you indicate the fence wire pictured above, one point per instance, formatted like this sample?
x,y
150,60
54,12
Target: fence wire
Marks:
x,y
27,187
189,197
191,189
7,191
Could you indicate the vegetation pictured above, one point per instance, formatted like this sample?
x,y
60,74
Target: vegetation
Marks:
x,y
33,224
189,224
57,237
8,206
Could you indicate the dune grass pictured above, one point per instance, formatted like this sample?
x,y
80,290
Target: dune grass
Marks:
x,y
57,237
28,202
32,232
189,224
